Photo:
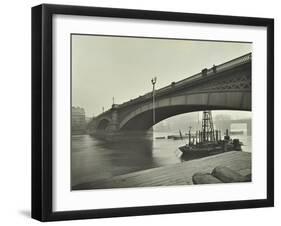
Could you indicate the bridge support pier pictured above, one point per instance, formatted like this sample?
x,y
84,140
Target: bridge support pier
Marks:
x,y
114,123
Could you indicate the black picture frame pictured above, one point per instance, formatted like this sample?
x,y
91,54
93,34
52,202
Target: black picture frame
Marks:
x,y
42,107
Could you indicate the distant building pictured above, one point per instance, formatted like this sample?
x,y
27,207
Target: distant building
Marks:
x,y
88,119
78,121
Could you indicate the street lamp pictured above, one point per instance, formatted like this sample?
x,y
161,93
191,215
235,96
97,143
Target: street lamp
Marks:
x,y
153,81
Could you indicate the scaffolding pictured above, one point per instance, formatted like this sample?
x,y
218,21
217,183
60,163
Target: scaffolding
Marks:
x,y
208,133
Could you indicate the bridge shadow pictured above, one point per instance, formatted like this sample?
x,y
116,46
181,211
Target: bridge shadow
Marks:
x,y
125,152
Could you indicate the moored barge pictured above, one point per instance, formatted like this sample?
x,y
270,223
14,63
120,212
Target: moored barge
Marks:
x,y
209,141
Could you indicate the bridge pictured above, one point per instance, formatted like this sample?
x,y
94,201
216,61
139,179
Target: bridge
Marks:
x,y
223,87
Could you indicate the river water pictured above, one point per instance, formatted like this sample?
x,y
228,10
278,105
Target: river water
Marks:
x,y
94,159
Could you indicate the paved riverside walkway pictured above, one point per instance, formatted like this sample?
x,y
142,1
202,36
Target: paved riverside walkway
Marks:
x,y
176,174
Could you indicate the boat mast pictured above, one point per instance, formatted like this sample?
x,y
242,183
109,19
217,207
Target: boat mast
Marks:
x,y
208,133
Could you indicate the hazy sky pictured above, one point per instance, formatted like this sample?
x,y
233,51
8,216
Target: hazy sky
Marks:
x,y
103,67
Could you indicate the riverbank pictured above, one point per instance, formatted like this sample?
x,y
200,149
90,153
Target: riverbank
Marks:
x,y
175,174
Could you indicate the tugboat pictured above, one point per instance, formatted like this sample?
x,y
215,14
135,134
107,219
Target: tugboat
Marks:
x,y
208,141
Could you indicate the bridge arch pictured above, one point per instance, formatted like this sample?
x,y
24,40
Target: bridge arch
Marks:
x,y
141,117
103,124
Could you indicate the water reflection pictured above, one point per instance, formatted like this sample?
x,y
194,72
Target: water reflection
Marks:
x,y
94,159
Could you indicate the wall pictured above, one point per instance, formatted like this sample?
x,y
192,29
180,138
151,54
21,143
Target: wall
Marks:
x,y
15,112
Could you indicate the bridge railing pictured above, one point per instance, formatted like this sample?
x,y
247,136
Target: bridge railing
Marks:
x,y
219,68
208,72
235,62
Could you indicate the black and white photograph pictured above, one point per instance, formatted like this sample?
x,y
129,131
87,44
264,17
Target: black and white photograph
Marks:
x,y
148,112
141,112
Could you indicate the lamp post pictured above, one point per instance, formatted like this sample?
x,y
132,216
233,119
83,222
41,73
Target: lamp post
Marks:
x,y
153,81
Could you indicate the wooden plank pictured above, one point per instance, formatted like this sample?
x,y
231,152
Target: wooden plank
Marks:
x,y
176,174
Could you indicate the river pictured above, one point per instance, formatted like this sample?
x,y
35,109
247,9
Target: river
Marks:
x,y
94,159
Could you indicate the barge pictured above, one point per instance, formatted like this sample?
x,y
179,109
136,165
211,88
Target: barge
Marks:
x,y
208,141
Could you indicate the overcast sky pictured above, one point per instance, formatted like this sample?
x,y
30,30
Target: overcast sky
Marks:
x,y
103,67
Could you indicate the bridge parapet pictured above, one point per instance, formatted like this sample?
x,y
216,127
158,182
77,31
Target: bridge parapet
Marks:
x,y
211,71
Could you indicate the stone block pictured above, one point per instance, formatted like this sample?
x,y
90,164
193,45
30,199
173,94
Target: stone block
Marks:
x,y
204,178
228,175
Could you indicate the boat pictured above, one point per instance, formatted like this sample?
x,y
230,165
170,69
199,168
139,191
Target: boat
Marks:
x,y
176,137
209,141
160,138
208,147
